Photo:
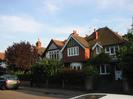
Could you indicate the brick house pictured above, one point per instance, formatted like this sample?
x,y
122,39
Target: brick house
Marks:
x,y
78,49
75,51
107,41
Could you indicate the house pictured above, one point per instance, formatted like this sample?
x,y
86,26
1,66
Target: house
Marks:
x,y
53,50
107,41
75,51
78,49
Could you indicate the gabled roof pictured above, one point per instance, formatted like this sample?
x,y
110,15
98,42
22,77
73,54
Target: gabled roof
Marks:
x,y
59,44
80,40
105,37
2,56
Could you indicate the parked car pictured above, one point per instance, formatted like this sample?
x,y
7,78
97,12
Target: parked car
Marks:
x,y
8,81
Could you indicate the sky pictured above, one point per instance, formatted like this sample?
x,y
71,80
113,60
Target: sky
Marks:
x,y
28,20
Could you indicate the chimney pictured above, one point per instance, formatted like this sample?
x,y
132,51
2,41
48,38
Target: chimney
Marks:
x,y
38,43
96,34
74,32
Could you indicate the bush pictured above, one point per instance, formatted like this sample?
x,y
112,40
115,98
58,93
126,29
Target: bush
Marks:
x,y
38,74
22,75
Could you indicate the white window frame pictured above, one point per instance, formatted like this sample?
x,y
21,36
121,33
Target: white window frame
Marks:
x,y
54,54
114,48
105,70
76,66
98,50
73,51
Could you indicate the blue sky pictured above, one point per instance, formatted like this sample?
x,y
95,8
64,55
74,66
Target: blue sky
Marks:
x,y
26,20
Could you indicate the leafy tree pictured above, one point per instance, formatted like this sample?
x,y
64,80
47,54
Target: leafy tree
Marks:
x,y
21,56
102,58
90,70
125,56
47,68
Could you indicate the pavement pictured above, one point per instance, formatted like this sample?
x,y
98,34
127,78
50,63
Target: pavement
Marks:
x,y
117,96
105,96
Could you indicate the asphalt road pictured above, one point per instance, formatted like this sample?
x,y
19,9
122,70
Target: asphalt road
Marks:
x,y
37,93
19,94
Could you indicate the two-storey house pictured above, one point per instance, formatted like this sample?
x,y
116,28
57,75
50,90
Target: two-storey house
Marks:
x,y
78,49
75,51
107,41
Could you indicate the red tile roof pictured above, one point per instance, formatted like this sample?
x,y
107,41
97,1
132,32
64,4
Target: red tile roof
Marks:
x,y
81,40
59,43
105,37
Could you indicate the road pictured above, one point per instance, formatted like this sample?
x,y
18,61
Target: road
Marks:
x,y
34,93
9,94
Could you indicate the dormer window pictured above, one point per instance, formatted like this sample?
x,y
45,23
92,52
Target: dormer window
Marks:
x,y
98,48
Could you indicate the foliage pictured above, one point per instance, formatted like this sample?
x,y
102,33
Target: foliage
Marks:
x,y
23,76
38,73
21,56
102,58
45,69
90,69
125,56
52,67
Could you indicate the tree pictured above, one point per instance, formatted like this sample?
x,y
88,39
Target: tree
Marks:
x,y
125,56
47,68
21,56
102,58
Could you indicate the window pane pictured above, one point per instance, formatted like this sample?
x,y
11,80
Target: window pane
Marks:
x,y
102,69
112,50
77,50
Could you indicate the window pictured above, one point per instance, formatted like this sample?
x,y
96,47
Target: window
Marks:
x,y
111,50
107,50
98,50
104,69
76,66
54,54
73,51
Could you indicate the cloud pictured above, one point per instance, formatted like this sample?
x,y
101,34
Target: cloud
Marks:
x,y
19,24
50,6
